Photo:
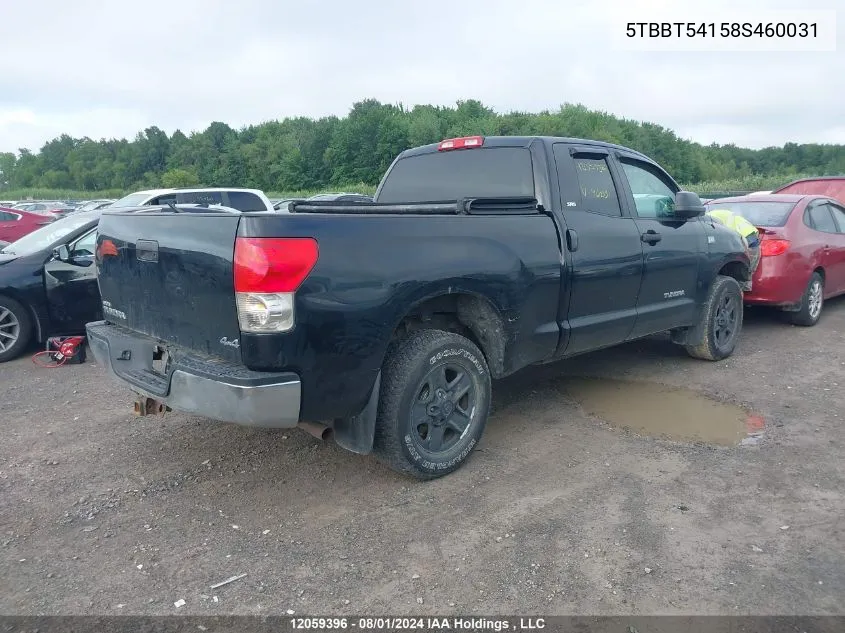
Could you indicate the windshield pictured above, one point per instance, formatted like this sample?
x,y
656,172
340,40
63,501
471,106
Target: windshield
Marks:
x,y
132,200
46,236
757,212
485,172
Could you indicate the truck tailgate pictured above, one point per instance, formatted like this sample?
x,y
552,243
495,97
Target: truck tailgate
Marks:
x,y
169,275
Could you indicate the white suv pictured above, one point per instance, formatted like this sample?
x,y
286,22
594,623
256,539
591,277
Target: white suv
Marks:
x,y
241,199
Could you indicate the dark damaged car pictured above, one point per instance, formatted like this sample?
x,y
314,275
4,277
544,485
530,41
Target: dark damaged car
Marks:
x,y
48,282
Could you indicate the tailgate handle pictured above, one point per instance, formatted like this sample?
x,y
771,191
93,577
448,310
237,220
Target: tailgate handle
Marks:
x,y
146,250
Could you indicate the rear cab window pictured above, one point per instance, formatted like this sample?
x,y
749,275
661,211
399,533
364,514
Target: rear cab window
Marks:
x,y
496,171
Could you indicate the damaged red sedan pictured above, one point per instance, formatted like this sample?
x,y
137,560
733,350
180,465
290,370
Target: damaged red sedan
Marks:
x,y
802,251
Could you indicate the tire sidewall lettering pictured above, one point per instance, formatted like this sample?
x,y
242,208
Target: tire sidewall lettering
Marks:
x,y
436,466
457,352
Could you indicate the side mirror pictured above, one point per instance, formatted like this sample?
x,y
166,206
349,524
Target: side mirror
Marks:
x,y
83,259
687,205
62,253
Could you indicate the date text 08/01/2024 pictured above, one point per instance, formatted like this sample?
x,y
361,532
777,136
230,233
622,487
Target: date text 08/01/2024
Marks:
x,y
418,624
722,29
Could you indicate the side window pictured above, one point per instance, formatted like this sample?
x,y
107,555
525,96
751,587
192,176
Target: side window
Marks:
x,y
165,199
839,216
598,192
200,197
84,246
653,198
821,218
8,217
245,201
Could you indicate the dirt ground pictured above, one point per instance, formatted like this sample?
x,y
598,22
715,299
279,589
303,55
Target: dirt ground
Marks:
x,y
557,512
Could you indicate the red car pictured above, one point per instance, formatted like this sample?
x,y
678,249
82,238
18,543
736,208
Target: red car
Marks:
x,y
802,251
14,223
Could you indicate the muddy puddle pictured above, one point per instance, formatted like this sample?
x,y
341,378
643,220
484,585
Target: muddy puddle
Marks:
x,y
662,411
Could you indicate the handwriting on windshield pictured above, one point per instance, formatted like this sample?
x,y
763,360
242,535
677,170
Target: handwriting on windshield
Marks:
x,y
591,166
595,193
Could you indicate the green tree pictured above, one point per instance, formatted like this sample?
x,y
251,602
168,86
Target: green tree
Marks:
x,y
300,153
179,178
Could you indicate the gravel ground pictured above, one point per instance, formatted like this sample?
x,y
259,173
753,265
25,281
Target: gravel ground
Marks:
x,y
557,512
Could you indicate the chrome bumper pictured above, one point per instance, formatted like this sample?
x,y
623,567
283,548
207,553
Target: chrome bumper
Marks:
x,y
270,400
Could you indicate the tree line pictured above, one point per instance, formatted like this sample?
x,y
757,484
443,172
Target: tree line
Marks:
x,y
308,154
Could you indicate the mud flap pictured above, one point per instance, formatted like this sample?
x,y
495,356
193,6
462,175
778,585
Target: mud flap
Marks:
x,y
692,335
357,433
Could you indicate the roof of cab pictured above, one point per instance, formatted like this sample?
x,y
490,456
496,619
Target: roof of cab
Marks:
x,y
525,141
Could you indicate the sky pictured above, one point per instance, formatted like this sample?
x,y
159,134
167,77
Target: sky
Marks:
x,y
110,69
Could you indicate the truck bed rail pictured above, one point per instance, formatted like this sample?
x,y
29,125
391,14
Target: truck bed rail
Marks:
x,y
464,206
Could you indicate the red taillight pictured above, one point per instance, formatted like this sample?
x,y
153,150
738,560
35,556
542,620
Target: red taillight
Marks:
x,y
770,248
461,143
106,249
273,264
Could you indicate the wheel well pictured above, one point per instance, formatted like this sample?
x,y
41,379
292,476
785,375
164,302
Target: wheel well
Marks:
x,y
737,270
820,271
464,314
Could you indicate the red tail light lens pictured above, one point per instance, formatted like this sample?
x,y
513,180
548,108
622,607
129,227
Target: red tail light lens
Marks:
x,y
106,248
271,264
461,143
770,248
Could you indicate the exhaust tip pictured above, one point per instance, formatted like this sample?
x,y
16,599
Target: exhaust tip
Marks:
x,y
315,429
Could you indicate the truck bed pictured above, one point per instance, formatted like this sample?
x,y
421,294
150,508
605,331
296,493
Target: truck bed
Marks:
x,y
373,268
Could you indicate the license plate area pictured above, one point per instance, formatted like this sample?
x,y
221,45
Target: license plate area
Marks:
x,y
161,360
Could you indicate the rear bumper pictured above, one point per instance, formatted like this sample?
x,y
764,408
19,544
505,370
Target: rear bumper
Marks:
x,y
777,282
196,384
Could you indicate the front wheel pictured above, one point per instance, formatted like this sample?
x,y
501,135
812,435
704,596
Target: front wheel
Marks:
x,y
720,321
434,403
812,302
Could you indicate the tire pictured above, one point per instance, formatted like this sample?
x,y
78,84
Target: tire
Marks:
x,y
721,321
15,329
421,403
812,302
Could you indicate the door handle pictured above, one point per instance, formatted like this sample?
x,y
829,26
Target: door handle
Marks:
x,y
571,240
651,237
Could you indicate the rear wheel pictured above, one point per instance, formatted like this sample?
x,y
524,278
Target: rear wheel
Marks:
x,y
812,302
434,403
15,329
721,320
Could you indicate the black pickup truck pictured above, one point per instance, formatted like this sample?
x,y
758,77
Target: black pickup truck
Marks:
x,y
386,321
